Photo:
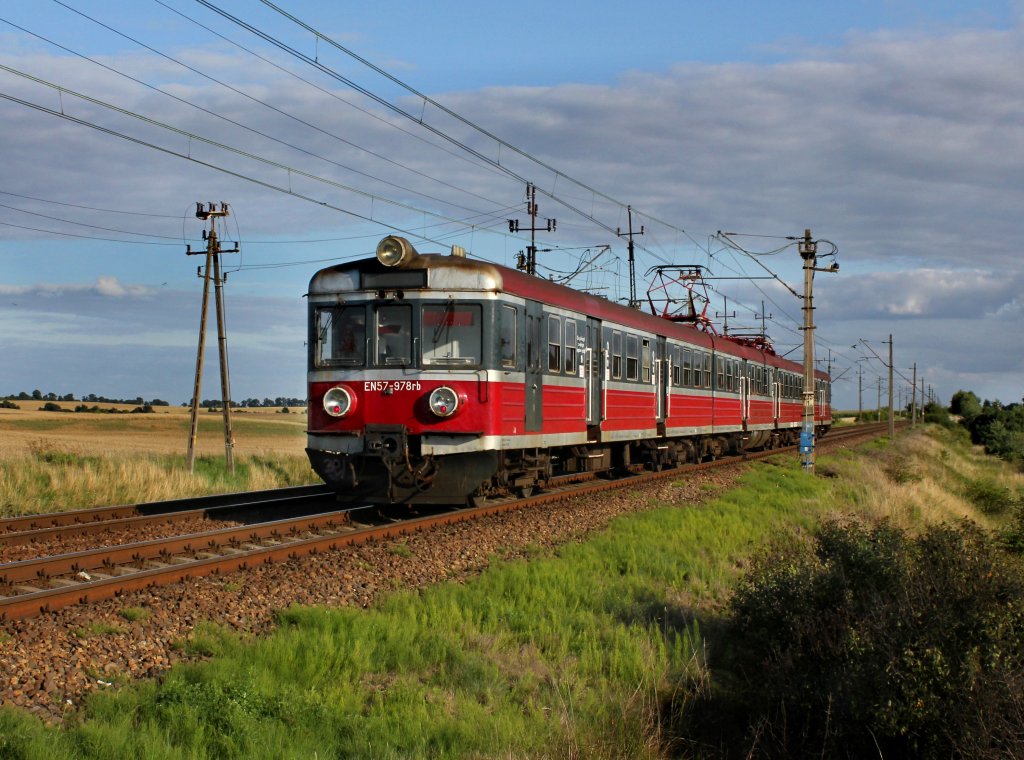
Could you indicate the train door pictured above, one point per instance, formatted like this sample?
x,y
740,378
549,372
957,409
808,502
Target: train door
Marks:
x,y
592,359
536,349
661,380
743,374
776,387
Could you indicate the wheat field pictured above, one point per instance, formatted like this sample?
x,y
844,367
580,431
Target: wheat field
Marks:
x,y
52,461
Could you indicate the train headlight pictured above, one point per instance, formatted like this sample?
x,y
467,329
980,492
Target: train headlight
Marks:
x,y
394,250
339,401
443,401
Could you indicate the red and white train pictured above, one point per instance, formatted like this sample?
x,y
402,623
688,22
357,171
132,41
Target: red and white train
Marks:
x,y
437,379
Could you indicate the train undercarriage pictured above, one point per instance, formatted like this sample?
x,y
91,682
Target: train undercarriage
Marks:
x,y
393,471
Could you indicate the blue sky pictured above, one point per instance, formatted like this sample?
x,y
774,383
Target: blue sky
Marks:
x,y
890,128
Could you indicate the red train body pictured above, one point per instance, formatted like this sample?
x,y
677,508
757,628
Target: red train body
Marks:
x,y
437,379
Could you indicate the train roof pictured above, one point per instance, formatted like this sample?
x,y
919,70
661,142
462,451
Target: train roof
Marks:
x,y
461,274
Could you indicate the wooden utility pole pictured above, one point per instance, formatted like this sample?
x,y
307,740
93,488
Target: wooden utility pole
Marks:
x,y
213,251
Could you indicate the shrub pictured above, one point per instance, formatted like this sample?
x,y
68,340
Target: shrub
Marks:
x,y
989,496
8,404
866,642
49,406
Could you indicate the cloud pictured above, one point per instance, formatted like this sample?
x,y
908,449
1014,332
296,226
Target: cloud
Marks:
x,y
106,286
968,295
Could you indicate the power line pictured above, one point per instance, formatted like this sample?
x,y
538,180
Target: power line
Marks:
x,y
199,138
419,119
255,100
88,208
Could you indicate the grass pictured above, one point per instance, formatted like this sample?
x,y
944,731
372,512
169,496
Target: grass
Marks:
x,y
84,460
575,653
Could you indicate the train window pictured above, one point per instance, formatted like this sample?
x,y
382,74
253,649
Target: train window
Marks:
x,y
646,356
687,378
341,336
451,334
570,347
632,357
720,373
554,344
677,366
707,370
393,343
508,336
616,354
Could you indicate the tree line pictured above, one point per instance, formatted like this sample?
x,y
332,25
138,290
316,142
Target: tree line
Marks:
x,y
92,398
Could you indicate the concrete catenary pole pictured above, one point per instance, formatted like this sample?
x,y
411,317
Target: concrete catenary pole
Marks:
x,y
808,252
913,398
892,416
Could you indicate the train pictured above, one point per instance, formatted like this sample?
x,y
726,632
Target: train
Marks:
x,y
440,379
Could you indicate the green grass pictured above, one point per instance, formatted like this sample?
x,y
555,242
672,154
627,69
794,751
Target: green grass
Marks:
x,y
572,654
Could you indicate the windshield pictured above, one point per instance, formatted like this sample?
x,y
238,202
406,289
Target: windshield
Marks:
x,y
451,334
394,335
341,336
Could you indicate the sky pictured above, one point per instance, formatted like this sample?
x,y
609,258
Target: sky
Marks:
x,y
891,130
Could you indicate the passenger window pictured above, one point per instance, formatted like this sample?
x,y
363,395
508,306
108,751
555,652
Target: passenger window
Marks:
x,y
570,347
508,336
707,370
646,357
554,344
632,357
720,373
677,366
687,358
616,354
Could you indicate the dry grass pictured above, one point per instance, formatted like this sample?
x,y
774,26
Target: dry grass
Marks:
x,y
53,461
922,477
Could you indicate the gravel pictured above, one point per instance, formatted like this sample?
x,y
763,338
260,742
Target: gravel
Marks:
x,y
52,662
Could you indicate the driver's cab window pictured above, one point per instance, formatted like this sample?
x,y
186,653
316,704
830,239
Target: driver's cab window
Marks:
x,y
393,335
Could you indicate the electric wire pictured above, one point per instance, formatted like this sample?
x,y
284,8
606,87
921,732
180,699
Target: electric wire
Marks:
x,y
88,208
256,100
213,143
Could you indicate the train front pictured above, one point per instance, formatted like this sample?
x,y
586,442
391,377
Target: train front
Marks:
x,y
399,406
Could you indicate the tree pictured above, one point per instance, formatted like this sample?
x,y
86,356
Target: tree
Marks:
x,y
965,404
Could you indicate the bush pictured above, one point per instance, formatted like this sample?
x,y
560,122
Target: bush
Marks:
x,y
49,406
8,404
866,642
989,496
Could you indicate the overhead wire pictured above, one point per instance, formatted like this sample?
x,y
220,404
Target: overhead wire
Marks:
x,y
213,143
254,99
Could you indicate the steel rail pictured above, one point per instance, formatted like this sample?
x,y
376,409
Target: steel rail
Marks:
x,y
21,530
245,557
109,558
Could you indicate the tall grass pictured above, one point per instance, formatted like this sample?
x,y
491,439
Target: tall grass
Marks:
x,y
52,477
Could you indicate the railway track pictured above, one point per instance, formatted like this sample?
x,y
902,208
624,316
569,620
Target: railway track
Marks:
x,y
30,587
30,528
